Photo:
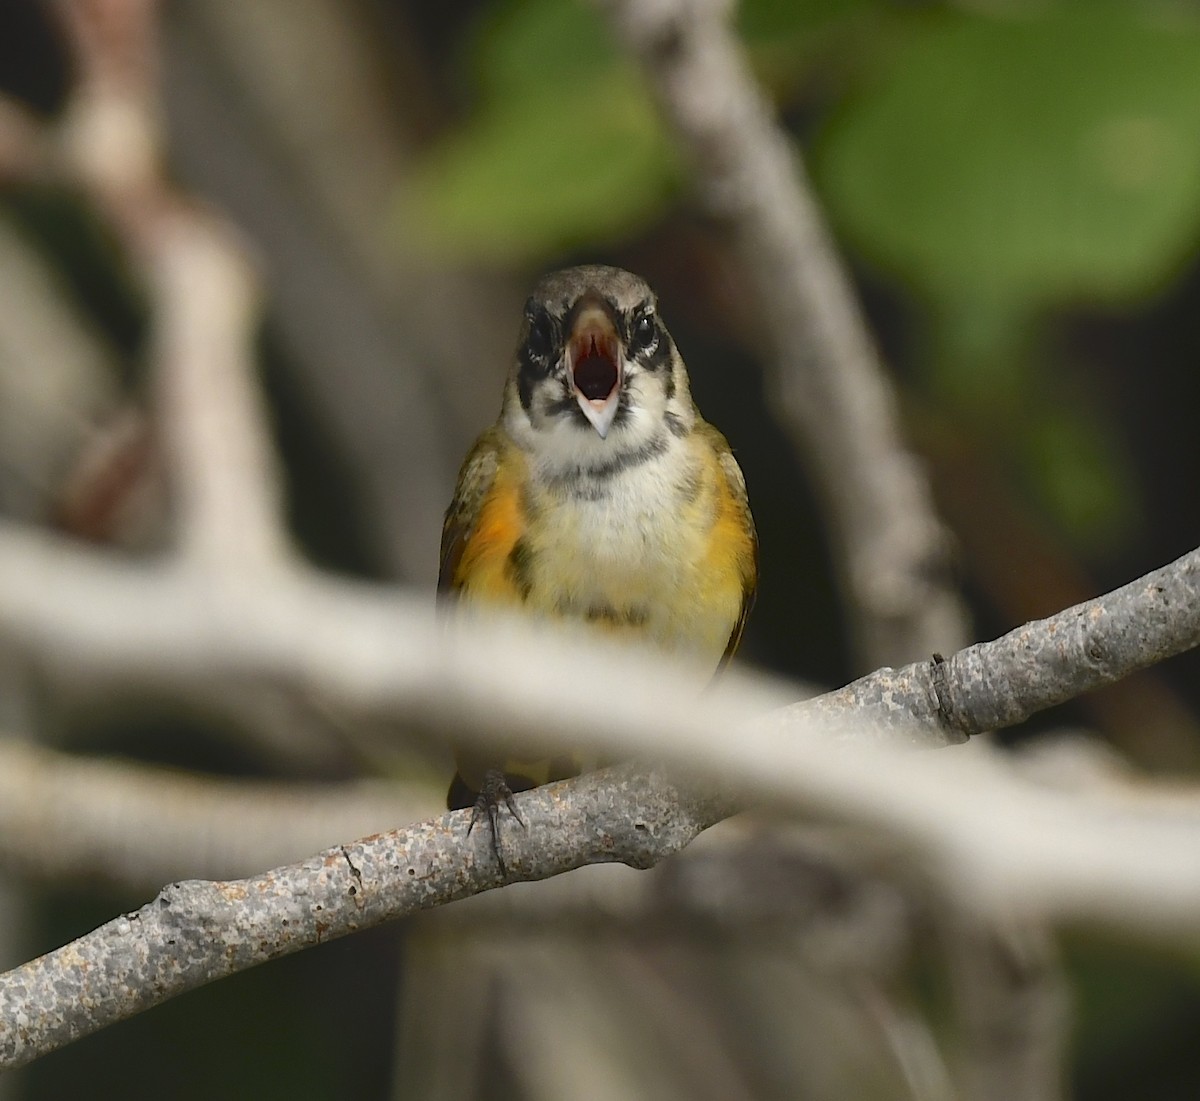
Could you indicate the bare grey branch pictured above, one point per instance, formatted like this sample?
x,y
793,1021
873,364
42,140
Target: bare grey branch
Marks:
x,y
197,931
393,658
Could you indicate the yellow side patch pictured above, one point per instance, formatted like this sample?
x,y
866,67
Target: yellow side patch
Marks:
x,y
483,569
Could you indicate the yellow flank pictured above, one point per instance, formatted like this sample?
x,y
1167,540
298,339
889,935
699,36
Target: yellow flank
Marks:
x,y
482,572
672,566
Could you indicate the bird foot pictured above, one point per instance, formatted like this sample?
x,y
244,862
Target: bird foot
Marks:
x,y
495,791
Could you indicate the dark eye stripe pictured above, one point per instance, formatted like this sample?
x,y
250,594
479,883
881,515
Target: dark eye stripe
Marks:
x,y
538,352
541,335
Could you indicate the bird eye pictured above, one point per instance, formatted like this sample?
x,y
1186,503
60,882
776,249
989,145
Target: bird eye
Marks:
x,y
645,333
540,341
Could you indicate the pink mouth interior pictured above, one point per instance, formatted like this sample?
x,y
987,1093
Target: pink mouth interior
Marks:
x,y
595,371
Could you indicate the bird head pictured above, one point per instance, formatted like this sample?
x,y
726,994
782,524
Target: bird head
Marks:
x,y
596,369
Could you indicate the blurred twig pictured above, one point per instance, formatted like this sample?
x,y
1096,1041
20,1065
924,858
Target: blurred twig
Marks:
x,y
212,421
1012,1020
791,932
81,820
282,112
57,380
82,617
892,551
208,416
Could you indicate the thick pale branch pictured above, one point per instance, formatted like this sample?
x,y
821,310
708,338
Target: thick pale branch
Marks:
x,y
374,650
77,615
67,818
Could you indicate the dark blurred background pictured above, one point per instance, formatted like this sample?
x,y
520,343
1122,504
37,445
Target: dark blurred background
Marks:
x,y
1016,187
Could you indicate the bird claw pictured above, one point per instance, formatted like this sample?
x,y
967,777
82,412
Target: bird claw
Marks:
x,y
495,790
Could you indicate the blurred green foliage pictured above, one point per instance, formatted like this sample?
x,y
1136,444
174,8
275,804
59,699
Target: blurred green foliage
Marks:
x,y
994,164
1136,1011
563,148
1042,157
1036,159
1003,166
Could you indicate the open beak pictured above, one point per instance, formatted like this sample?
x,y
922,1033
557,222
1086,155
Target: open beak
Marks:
x,y
594,359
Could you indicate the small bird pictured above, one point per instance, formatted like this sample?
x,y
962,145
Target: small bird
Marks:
x,y
599,495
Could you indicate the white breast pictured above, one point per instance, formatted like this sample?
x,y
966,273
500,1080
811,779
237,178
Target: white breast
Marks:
x,y
626,550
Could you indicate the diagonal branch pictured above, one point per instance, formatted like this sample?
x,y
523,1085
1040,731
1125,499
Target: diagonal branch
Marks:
x,y
195,932
834,394
995,840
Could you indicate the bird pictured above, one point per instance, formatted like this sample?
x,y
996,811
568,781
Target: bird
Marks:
x,y
601,496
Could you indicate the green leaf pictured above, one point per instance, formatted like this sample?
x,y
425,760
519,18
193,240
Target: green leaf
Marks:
x,y
531,45
1039,159
775,20
565,150
540,175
